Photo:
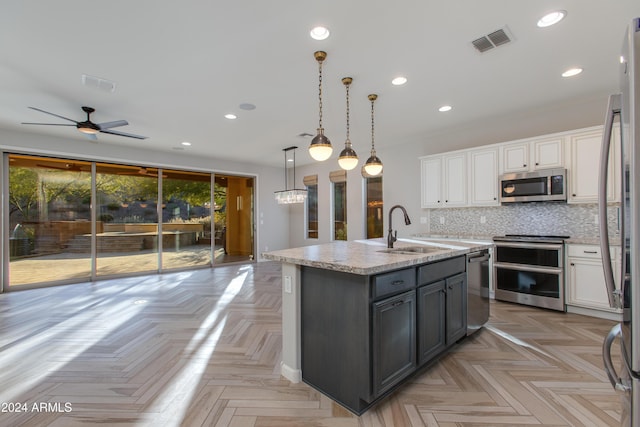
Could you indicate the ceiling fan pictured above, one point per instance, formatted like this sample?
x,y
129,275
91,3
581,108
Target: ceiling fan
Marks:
x,y
87,127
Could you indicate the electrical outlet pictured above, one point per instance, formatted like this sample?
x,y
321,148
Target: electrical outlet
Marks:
x,y
595,219
483,219
287,284
442,220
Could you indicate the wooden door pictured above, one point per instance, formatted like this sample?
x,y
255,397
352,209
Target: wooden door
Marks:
x,y
239,234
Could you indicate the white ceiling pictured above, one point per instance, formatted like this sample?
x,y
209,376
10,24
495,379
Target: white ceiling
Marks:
x,y
179,66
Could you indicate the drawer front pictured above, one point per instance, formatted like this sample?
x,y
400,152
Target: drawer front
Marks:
x,y
439,270
393,282
584,251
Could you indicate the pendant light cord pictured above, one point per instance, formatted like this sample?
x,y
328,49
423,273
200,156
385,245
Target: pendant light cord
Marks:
x,y
348,140
320,92
372,133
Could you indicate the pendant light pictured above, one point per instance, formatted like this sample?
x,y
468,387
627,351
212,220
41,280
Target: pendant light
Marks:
x,y
286,196
320,148
348,158
373,166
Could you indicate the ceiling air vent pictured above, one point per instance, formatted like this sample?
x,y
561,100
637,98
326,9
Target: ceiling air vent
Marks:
x,y
491,40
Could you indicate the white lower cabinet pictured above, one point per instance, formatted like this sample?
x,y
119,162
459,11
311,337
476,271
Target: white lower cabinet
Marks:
x,y
586,292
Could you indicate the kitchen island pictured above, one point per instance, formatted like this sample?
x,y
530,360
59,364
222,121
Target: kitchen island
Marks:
x,y
359,318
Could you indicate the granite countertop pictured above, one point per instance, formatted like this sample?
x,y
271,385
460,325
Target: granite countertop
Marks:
x,y
365,257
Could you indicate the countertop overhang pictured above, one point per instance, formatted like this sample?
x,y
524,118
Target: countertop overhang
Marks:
x,y
365,257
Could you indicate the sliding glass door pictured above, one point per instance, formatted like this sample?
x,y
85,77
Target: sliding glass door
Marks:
x,y
126,220
49,219
145,220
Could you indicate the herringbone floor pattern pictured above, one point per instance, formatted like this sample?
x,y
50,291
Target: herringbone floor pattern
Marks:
x,y
202,348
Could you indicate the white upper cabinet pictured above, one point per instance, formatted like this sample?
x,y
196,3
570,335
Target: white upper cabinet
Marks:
x,y
455,180
515,157
470,177
483,177
444,180
431,182
585,166
534,154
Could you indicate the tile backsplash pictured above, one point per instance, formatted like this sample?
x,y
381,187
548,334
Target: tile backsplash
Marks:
x,y
574,220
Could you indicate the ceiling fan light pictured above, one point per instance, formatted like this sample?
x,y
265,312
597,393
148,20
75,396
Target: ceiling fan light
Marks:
x,y
320,148
88,130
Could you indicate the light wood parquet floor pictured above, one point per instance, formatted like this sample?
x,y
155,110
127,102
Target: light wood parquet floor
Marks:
x,y
202,348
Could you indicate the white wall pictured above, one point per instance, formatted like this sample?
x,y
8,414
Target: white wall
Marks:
x,y
272,227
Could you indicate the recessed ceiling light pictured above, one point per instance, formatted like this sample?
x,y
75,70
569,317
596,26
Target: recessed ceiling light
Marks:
x,y
230,116
186,144
398,81
572,72
551,18
445,108
319,33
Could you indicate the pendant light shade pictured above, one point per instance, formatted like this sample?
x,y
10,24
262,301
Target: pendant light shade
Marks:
x,y
373,165
287,196
348,158
320,148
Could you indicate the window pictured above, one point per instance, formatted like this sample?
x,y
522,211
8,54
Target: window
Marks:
x,y
339,184
311,183
375,226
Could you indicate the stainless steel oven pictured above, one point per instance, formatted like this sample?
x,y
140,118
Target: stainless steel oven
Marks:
x,y
530,270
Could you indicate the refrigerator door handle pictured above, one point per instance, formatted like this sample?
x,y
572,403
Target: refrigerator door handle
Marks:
x,y
614,378
612,110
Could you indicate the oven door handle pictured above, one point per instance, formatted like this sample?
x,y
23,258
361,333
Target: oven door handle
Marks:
x,y
531,268
529,245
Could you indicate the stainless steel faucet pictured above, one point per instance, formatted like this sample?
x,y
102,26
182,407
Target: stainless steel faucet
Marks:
x,y
393,237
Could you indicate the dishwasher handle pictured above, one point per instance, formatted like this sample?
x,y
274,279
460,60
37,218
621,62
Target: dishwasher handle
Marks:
x,y
478,257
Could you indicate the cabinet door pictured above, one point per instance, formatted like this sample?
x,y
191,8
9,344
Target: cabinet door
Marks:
x,y
483,177
586,284
394,340
431,321
456,297
454,180
548,153
431,182
515,157
585,165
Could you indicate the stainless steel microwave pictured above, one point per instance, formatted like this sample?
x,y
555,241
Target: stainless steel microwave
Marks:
x,y
538,186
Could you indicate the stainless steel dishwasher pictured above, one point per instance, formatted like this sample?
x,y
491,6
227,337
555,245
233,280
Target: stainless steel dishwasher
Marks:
x,y
477,290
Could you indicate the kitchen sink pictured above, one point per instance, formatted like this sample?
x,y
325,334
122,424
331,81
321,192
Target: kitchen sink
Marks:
x,y
411,250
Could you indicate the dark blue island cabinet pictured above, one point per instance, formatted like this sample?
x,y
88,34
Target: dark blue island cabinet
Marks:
x,y
363,336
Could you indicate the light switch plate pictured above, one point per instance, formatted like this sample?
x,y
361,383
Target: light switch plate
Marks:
x,y
287,284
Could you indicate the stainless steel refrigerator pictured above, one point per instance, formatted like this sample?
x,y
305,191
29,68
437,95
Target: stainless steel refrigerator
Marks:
x,y
624,109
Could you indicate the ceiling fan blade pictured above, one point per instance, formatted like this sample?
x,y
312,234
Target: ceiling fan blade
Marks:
x,y
130,135
53,114
48,124
114,124
91,136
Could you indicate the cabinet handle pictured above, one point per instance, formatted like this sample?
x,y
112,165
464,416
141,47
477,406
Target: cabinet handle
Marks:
x,y
590,252
524,166
397,282
446,201
574,194
397,303
572,265
537,163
